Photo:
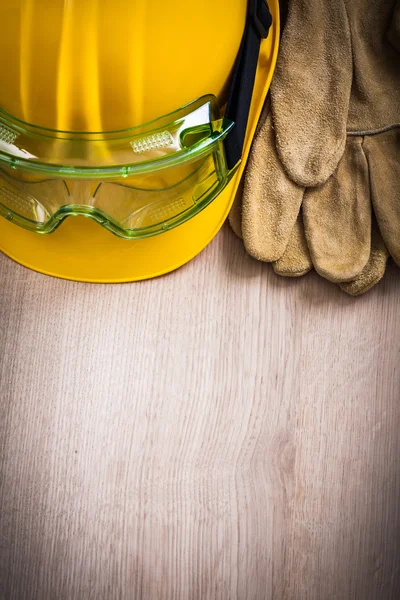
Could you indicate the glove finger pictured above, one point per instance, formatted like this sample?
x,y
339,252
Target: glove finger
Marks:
x,y
296,261
310,92
271,201
235,215
373,271
383,155
337,218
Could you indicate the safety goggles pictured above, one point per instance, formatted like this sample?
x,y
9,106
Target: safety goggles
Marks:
x,y
138,182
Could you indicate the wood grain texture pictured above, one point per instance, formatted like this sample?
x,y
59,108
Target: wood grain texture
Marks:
x,y
218,434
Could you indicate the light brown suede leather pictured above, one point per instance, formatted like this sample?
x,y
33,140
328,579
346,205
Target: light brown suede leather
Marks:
x,y
337,218
296,260
373,271
331,145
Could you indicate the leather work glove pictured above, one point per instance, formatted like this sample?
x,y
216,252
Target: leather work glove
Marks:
x,y
322,187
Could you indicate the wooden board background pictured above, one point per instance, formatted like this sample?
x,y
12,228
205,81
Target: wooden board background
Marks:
x,y
219,433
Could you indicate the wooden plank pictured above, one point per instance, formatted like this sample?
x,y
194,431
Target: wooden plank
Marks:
x,y
219,433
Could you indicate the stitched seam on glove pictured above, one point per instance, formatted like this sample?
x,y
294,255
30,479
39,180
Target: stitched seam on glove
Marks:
x,y
375,131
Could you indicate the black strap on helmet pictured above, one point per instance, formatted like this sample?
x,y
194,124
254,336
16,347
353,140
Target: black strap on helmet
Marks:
x,y
258,23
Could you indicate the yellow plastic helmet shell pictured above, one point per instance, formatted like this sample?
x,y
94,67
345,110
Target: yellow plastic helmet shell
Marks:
x,y
102,65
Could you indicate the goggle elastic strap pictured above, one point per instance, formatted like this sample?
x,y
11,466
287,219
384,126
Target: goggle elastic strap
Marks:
x,y
258,23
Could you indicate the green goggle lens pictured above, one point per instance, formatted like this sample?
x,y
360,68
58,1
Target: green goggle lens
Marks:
x,y
136,183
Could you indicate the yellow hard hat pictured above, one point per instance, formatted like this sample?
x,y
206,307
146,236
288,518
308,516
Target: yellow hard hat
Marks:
x,y
133,117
